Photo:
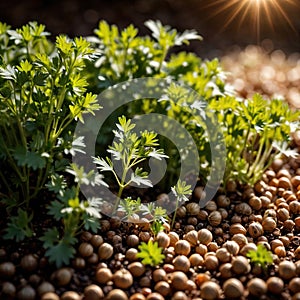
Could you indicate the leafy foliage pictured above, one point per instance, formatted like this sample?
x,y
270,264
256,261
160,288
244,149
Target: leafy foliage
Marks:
x,y
261,256
255,131
75,214
180,191
130,150
43,90
150,253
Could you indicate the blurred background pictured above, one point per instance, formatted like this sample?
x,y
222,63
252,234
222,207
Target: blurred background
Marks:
x,y
257,41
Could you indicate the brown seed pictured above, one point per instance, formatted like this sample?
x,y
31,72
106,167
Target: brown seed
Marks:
x,y
122,279
287,270
163,240
237,228
294,207
247,248
192,237
280,251
117,294
269,224
93,292
182,247
136,269
294,285
255,229
212,247
103,275
240,239
232,247
163,288
243,209
192,209
181,212
137,296
7,270
275,285
210,290
225,270
181,263
45,287
283,214
223,255
233,288
159,275
132,240
85,249
29,262
50,296
8,290
155,296
105,251
265,201
275,243
174,238
295,181
96,240
201,278
179,295
211,206
144,236
297,252
202,216
211,262
204,236
201,249
26,293
223,201
215,218
178,281
257,287
240,265
284,182
62,276
196,260
255,203
131,254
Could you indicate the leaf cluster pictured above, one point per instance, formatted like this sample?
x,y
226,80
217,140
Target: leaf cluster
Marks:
x,y
150,253
256,130
261,256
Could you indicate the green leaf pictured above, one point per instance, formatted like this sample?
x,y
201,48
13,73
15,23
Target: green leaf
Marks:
x,y
18,228
61,253
150,253
261,256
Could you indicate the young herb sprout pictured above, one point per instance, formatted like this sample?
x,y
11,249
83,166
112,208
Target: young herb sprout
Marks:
x,y
130,149
261,256
181,190
150,253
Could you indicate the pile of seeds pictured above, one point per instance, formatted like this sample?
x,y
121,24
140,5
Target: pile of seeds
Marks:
x,y
205,252
263,70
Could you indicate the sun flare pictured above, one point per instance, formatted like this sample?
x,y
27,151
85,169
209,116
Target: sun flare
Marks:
x,y
256,12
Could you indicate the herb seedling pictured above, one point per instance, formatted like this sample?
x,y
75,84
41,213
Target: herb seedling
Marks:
x,y
261,256
150,253
180,191
130,150
255,131
76,214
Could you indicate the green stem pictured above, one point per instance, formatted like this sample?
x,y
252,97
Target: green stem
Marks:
x,y
174,215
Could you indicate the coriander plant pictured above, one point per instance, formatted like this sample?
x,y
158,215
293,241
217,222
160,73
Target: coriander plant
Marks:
x,y
74,213
130,150
255,131
43,91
